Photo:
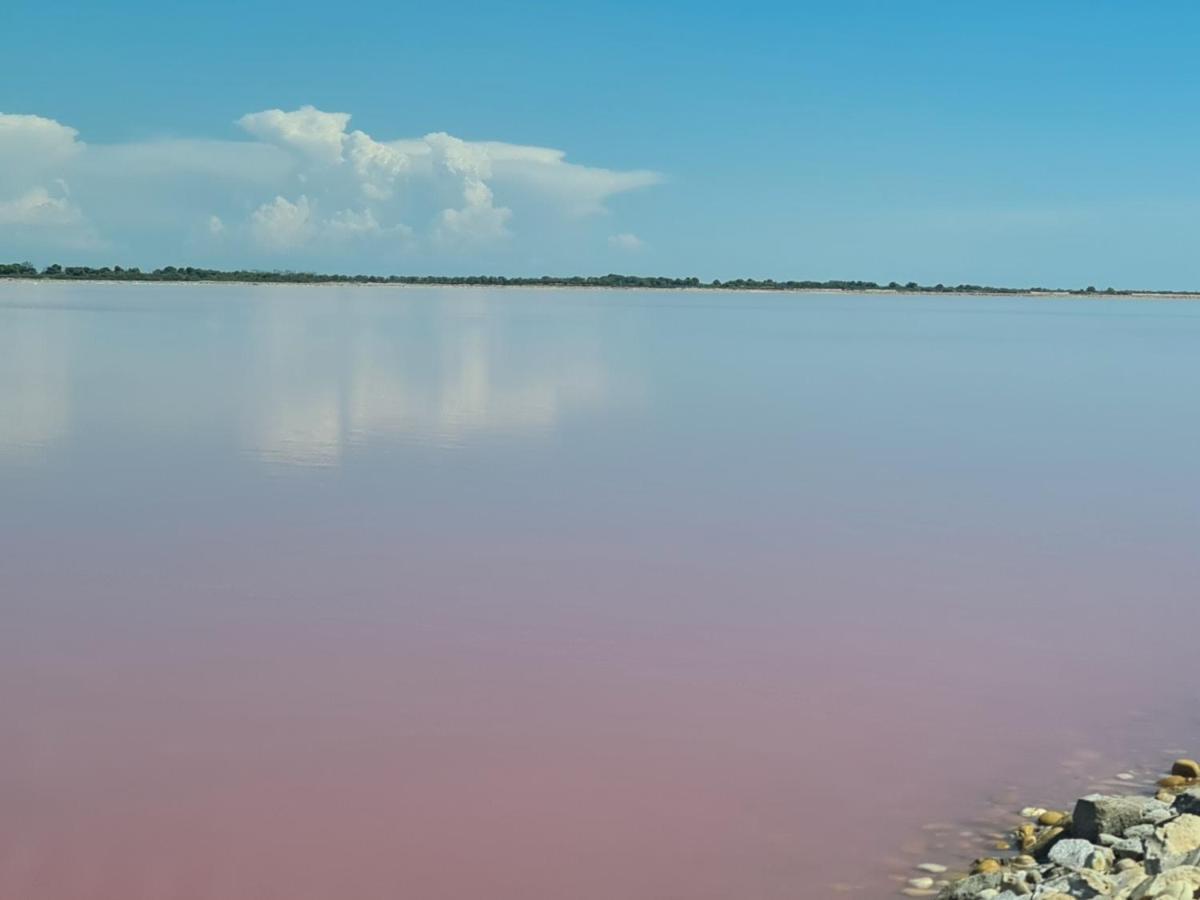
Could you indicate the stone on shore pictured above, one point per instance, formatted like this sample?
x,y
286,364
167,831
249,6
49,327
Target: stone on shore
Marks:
x,y
1097,814
1075,853
1180,835
1186,768
1108,848
1187,802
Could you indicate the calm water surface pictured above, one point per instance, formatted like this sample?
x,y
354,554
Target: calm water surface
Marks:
x,y
316,593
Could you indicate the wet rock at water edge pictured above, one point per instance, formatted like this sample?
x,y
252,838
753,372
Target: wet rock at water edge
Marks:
x,y
1186,768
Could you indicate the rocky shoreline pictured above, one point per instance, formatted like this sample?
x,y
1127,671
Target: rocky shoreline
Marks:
x,y
1122,847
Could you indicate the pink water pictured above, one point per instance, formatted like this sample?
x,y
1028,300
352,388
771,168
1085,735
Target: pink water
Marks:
x,y
445,595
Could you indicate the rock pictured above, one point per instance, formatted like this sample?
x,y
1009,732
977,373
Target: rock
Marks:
x,y
1187,802
1023,861
923,882
1186,768
933,868
1130,876
969,888
1172,781
1181,882
1079,854
1044,840
1052,817
1079,883
1032,812
1128,849
1156,812
1025,834
985,865
1180,835
1097,814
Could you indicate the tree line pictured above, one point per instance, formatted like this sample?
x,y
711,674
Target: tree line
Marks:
x,y
58,272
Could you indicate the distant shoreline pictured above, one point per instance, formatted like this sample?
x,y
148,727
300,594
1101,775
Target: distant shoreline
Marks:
x,y
23,272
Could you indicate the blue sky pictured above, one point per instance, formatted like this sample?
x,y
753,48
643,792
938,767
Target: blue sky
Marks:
x,y
1015,143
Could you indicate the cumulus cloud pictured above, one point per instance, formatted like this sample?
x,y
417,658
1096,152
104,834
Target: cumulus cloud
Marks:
x,y
303,182
316,134
32,143
283,225
37,207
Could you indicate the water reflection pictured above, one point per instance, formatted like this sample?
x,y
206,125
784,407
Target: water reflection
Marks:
x,y
35,395
324,383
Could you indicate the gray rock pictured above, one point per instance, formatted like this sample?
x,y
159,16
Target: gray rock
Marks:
x,y
1141,832
1097,814
969,888
1157,812
1075,853
1082,883
1128,848
1188,802
1182,882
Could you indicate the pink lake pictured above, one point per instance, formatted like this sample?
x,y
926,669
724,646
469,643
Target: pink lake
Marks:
x,y
317,593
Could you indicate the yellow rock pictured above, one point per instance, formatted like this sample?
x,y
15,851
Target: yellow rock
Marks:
x,y
1180,835
1187,768
985,866
1172,781
1051,818
1026,835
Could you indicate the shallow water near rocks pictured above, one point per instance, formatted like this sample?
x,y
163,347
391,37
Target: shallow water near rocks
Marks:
x,y
449,594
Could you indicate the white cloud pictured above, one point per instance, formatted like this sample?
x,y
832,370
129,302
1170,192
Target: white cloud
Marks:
x,y
37,207
283,225
302,183
35,144
626,240
351,224
316,134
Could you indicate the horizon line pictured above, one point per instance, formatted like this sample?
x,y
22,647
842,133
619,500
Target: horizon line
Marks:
x,y
171,273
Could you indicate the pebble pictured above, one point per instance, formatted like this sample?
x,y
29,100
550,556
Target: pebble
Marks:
x,y
923,882
1032,812
932,868
1125,776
